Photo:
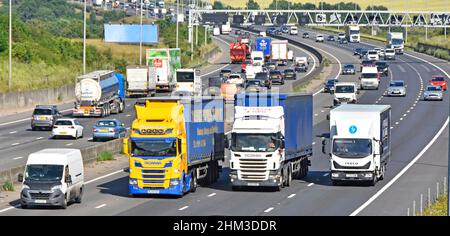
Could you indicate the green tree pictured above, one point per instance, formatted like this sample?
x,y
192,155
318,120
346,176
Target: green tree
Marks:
x,y
218,5
252,5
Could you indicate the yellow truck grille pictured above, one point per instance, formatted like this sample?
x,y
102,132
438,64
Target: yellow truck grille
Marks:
x,y
154,178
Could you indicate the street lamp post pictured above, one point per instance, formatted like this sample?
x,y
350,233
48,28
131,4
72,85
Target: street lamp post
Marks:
x,y
178,13
84,38
140,41
10,47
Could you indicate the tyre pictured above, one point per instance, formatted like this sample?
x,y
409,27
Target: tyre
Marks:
x,y
76,135
289,177
95,139
79,197
236,188
122,106
23,206
335,182
33,128
193,184
64,203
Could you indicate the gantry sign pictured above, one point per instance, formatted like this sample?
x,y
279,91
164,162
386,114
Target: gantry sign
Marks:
x,y
321,18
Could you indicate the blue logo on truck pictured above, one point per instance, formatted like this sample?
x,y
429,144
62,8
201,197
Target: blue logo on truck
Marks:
x,y
352,129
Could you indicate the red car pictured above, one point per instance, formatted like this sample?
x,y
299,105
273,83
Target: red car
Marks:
x,y
440,80
244,65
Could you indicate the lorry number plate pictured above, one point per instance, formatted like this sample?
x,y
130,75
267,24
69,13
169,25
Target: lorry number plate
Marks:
x,y
351,175
153,191
253,184
40,201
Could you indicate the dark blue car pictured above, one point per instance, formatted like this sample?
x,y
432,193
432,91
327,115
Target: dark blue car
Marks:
x,y
108,129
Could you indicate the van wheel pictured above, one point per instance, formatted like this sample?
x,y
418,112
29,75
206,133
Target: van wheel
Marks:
x,y
64,203
79,197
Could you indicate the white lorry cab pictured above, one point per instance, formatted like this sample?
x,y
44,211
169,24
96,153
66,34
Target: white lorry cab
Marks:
x,y
345,92
52,177
188,82
257,58
370,78
360,138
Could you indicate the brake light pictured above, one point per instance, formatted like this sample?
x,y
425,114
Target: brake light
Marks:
x,y
55,127
72,127
94,130
111,129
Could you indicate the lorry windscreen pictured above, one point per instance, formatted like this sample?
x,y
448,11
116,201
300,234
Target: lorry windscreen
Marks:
x,y
354,31
44,172
154,148
345,89
397,41
352,148
254,142
369,75
185,77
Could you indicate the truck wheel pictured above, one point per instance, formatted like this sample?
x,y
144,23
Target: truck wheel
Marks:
x,y
193,184
335,183
121,106
235,188
23,206
383,170
289,177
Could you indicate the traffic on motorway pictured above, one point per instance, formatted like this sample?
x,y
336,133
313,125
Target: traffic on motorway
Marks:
x,y
177,138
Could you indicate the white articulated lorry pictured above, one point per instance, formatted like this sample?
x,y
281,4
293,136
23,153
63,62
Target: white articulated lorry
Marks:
x,y
352,33
271,139
138,82
360,141
395,41
279,52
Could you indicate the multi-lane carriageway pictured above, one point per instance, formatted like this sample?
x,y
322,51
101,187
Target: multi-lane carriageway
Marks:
x,y
418,155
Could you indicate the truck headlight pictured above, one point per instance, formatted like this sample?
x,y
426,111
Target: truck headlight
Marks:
x,y
335,175
174,182
132,181
368,175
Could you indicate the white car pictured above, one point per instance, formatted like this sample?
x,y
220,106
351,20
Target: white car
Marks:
x,y
294,30
389,54
320,38
379,50
372,55
235,79
67,128
341,36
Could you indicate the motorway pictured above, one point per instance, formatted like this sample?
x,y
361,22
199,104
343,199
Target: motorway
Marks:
x,y
414,124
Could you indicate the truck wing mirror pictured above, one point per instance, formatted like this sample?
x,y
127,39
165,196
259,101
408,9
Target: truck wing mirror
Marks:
x,y
126,170
68,179
20,177
227,143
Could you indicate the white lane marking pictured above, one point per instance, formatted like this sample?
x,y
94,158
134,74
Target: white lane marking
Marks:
x,y
404,115
17,121
128,105
15,144
268,209
102,177
426,68
292,195
322,111
100,206
396,123
227,133
9,208
401,118
128,115
326,174
212,195
13,132
69,144
392,127
313,143
17,158
311,184
39,138
363,206
316,114
401,68
183,208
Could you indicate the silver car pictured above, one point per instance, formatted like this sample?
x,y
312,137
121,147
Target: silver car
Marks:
x,y
433,92
44,116
396,88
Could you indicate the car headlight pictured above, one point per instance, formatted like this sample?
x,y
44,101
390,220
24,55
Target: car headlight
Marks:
x,y
56,187
132,181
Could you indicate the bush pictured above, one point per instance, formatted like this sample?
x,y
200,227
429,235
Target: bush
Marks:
x,y
8,186
105,156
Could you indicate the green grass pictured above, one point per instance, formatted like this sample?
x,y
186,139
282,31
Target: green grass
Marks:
x,y
419,5
8,186
105,156
439,208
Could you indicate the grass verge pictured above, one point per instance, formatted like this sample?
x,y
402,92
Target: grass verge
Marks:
x,y
439,208
105,156
8,186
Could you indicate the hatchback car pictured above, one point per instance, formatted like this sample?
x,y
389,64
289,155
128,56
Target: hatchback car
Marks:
x,y
348,69
289,74
276,77
225,73
67,128
329,86
44,117
366,63
382,67
433,92
396,88
284,29
440,80
270,65
305,35
319,38
343,41
108,129
254,86
331,38
235,79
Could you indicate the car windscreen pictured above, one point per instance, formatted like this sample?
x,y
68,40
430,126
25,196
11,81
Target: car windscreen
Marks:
x,y
433,88
42,112
348,66
63,122
345,89
381,64
369,75
106,123
185,77
367,62
373,52
396,84
438,79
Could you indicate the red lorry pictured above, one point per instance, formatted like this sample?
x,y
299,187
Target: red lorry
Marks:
x,y
238,52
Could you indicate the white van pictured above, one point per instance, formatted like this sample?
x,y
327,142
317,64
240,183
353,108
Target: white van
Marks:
x,y
52,177
257,58
216,31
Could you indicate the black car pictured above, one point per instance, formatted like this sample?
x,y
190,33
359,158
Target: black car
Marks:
x,y
270,30
329,85
264,78
363,53
382,67
278,32
365,63
330,38
358,52
289,74
270,65
276,77
343,41
254,86
225,73
284,29
305,35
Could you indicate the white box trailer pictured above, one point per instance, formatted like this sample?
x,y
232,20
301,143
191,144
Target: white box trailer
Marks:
x,y
279,52
360,142
138,82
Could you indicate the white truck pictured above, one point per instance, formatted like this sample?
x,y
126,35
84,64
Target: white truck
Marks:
x,y
52,177
395,41
345,92
226,28
216,31
360,140
97,3
279,52
138,82
271,139
290,55
352,33
188,82
251,71
370,78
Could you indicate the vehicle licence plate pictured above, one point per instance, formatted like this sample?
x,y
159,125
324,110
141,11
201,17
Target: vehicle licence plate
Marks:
x,y
351,175
40,201
42,118
104,130
152,191
62,132
253,184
